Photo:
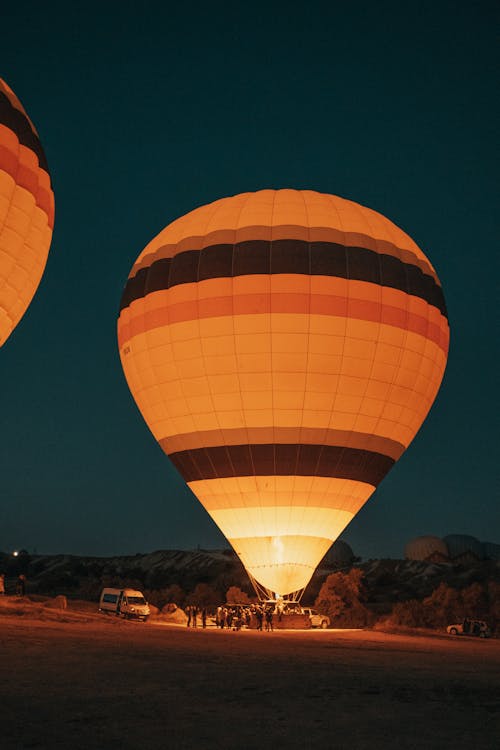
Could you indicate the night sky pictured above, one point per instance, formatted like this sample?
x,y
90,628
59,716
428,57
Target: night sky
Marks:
x,y
147,114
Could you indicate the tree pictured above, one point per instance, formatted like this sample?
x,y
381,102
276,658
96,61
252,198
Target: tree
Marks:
x,y
235,595
341,598
447,605
443,607
475,601
494,604
203,595
170,595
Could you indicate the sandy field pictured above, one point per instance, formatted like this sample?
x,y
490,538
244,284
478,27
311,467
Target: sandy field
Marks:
x,y
75,681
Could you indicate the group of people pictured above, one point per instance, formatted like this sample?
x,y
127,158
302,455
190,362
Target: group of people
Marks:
x,y
232,618
235,617
192,613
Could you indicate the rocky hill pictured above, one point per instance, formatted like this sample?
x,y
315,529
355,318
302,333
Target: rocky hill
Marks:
x,y
386,581
85,576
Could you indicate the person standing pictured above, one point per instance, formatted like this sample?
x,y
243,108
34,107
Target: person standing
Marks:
x,y
2,584
204,617
269,619
259,616
194,614
21,585
188,612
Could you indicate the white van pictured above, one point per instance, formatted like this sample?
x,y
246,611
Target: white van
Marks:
x,y
125,603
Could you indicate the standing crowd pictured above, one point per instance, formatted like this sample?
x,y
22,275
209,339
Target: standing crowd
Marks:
x,y
235,617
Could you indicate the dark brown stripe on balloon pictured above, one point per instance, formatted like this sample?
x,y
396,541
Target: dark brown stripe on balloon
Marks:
x,y
256,232
284,257
283,436
20,125
282,460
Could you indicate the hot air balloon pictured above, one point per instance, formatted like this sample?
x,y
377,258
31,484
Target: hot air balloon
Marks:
x,y
463,544
425,547
26,211
284,347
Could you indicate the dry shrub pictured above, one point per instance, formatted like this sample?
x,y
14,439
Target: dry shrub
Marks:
x,y
176,617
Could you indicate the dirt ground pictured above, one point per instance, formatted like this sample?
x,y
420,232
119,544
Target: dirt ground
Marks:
x,y
96,683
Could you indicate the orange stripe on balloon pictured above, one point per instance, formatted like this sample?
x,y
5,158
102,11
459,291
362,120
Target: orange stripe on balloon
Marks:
x,y
140,321
30,179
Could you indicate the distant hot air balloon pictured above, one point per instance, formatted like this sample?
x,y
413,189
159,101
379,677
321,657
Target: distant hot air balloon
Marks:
x,y
423,547
284,347
26,211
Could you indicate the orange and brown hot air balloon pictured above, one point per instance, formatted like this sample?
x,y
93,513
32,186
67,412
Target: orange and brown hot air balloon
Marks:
x,y
26,211
284,347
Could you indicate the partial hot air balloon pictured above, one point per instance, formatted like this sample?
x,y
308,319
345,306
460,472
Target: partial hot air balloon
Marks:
x,y
26,211
463,544
284,347
425,547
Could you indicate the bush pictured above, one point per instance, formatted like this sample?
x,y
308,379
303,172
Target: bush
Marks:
x,y
408,614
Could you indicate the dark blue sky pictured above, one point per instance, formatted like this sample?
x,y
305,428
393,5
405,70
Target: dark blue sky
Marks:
x,y
146,114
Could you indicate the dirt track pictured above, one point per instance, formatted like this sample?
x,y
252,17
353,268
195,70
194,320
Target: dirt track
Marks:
x,y
104,685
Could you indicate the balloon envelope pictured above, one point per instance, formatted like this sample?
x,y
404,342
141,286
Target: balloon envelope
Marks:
x,y
284,347
422,547
26,211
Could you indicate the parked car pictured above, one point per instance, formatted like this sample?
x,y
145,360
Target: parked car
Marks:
x,y
470,627
317,620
